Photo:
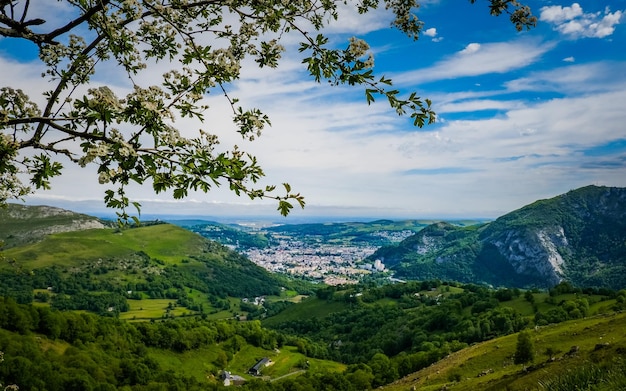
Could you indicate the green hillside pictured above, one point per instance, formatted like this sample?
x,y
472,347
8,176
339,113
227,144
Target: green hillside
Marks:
x,y
579,237
347,339
66,350
232,235
354,232
102,269
425,320
585,354
165,242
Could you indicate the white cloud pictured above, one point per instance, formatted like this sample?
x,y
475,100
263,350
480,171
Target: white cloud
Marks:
x,y
477,105
559,14
352,22
56,14
569,59
471,48
479,59
341,153
575,23
431,32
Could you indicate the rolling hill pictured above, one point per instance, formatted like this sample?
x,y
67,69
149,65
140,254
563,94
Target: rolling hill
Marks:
x,y
579,237
21,224
104,269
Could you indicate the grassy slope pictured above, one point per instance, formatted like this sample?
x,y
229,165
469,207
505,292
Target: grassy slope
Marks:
x,y
346,232
166,242
118,250
309,308
200,362
495,357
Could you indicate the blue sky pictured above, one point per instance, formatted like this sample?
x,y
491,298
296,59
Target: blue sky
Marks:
x,y
521,116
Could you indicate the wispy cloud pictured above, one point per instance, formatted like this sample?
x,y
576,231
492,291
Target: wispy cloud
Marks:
x,y
574,23
353,22
610,147
480,59
439,171
478,105
579,78
617,163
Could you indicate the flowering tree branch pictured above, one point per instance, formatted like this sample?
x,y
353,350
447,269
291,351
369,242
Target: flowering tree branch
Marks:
x,y
133,139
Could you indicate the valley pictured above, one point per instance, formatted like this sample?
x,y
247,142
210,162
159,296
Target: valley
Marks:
x,y
329,253
185,307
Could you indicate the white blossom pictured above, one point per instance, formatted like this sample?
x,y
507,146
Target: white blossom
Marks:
x,y
357,47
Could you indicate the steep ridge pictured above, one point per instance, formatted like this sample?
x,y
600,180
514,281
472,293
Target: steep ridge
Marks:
x,y
21,224
579,236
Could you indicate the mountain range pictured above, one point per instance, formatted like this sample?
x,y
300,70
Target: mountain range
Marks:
x,y
579,236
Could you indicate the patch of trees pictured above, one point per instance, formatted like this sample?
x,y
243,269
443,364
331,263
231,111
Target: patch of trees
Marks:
x,y
106,353
103,304
565,310
423,323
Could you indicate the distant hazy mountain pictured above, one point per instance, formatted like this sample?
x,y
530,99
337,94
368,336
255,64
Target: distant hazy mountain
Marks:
x,y
579,236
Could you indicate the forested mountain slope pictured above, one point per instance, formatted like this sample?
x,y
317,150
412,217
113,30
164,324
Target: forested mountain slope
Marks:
x,y
579,236
102,269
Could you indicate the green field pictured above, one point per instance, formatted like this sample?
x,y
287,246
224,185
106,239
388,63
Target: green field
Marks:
x,y
146,309
203,363
308,308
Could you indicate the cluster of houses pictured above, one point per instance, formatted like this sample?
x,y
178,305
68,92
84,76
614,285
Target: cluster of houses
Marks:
x,y
260,300
236,380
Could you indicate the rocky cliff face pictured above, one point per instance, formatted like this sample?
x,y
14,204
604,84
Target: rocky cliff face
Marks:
x,y
71,225
431,238
579,236
565,237
21,224
534,252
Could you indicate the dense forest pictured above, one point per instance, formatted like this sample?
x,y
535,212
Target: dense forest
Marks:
x,y
46,349
379,333
417,323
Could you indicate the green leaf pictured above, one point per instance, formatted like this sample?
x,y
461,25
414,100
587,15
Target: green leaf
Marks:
x,y
369,96
284,207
